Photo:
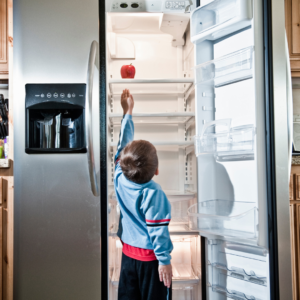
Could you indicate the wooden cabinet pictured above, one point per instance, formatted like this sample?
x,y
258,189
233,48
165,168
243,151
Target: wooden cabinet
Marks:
x,y
292,23
4,38
295,228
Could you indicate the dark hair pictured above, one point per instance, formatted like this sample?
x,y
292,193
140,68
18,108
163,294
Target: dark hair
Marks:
x,y
139,161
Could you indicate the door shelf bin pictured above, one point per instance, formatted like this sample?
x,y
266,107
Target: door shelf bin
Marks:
x,y
232,294
242,274
236,143
224,218
220,18
231,68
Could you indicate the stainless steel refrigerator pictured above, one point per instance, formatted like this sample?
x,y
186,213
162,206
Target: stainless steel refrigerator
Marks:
x,y
212,93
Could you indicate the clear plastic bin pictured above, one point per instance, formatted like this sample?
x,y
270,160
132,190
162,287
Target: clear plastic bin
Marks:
x,y
224,218
214,137
242,138
228,69
219,18
236,143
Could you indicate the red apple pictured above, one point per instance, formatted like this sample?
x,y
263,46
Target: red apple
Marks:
x,y
128,71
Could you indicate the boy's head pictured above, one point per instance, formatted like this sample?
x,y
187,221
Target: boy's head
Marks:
x,y
139,161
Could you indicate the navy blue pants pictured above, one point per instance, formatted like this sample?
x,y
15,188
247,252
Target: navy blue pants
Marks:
x,y
139,280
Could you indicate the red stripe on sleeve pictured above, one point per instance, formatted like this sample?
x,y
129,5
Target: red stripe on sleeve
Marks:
x,y
158,221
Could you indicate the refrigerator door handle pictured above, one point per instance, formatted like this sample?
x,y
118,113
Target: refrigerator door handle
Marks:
x,y
289,92
88,117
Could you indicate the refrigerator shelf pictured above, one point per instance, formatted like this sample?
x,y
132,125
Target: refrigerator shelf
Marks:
x,y
220,18
180,202
163,143
149,86
224,218
172,195
182,275
231,68
154,118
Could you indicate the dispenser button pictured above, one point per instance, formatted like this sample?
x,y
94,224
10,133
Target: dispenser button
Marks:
x,y
69,95
42,95
49,95
73,95
55,95
62,95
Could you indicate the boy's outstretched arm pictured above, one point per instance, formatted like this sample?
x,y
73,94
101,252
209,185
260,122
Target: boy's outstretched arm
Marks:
x,y
127,127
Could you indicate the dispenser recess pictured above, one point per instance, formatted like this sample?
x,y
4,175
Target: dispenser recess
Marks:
x,y
55,118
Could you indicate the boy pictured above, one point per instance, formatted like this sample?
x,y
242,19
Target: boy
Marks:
x,y
146,271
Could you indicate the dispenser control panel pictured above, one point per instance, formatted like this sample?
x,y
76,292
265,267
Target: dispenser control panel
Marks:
x,y
63,93
151,6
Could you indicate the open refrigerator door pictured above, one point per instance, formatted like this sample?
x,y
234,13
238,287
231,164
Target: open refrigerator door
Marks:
x,y
231,209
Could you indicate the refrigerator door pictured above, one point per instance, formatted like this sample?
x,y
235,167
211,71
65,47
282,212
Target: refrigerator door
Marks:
x,y
56,215
234,145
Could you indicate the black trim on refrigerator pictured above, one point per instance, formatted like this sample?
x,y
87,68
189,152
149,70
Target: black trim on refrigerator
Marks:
x,y
270,155
103,153
203,268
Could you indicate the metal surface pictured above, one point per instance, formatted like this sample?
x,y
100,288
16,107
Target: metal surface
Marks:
x,y
289,95
89,118
280,198
56,216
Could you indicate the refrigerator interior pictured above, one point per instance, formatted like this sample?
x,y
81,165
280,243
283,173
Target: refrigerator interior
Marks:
x,y
164,114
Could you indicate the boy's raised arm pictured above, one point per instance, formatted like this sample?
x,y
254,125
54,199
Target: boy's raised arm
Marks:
x,y
127,126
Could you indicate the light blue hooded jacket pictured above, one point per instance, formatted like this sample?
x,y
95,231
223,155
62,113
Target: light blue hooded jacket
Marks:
x,y
145,209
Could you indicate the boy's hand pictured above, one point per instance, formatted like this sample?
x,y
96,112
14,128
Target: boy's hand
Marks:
x,y
165,274
127,102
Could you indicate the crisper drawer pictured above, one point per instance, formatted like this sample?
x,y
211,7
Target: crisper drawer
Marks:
x,y
220,18
224,218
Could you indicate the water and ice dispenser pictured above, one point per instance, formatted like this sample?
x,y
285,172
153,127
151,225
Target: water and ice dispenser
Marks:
x,y
55,118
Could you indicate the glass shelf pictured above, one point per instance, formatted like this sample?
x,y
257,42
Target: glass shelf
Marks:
x,y
220,18
154,118
231,68
163,143
180,202
150,86
224,218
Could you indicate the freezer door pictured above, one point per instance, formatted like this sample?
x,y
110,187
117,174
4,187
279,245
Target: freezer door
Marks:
x,y
234,145
56,215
